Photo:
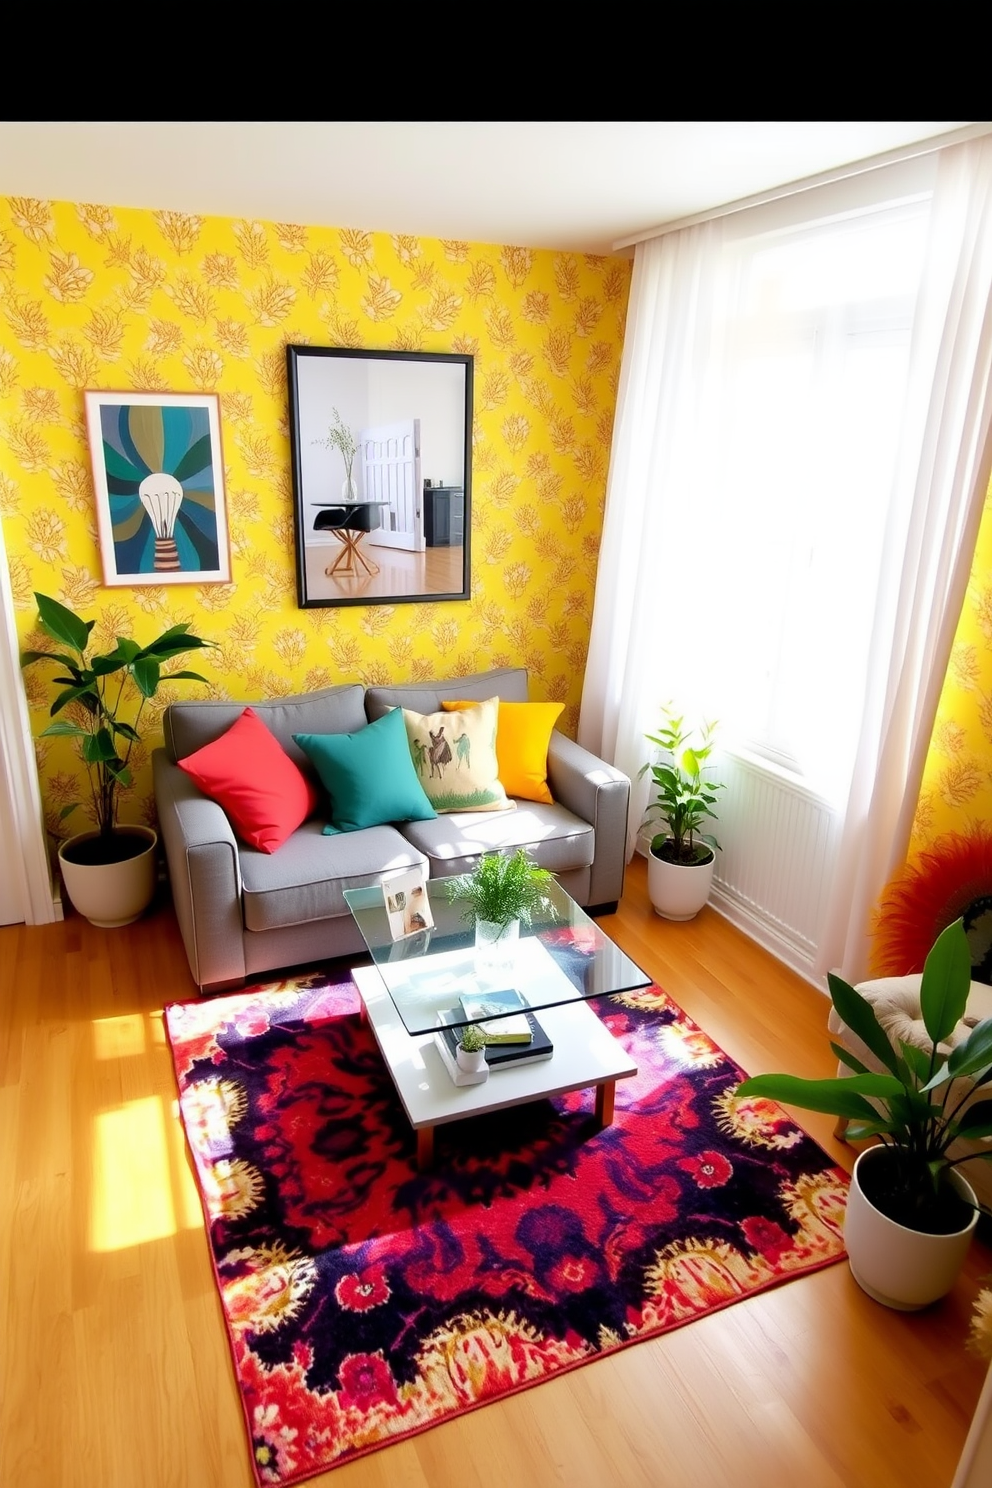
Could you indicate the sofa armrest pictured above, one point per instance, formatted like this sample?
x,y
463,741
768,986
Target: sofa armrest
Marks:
x,y
599,794
204,874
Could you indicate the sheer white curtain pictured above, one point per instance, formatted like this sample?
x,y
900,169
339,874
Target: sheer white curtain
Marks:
x,y
679,567
939,494
668,329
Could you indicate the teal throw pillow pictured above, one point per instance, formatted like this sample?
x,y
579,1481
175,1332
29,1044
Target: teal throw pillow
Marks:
x,y
369,775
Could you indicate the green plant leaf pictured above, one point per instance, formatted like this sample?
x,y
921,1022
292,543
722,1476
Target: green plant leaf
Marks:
x,y
99,747
852,1061
105,666
840,1096
859,1015
975,1120
946,982
917,1060
974,1055
66,730
174,641
71,663
859,1130
62,625
146,672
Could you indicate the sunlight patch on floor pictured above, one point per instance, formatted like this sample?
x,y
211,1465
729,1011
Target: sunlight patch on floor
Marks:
x,y
120,1037
132,1186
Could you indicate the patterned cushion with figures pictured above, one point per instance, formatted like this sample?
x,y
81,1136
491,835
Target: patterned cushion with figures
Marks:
x,y
455,757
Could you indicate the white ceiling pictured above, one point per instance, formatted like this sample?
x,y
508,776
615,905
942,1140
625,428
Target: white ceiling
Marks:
x,y
580,186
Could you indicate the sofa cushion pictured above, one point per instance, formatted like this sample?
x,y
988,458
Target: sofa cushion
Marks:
x,y
523,733
305,881
509,683
188,726
558,841
369,775
454,754
265,795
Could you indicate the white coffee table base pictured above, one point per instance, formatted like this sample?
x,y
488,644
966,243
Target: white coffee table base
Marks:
x,y
586,1054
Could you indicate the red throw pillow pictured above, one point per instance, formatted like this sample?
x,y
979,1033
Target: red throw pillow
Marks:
x,y
247,771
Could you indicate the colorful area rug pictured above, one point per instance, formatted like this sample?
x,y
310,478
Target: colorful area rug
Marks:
x,y
366,1301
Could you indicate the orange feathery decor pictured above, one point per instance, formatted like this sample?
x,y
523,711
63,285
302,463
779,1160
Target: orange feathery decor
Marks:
x,y
950,880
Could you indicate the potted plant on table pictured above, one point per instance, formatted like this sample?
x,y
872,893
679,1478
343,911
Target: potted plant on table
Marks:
x,y
109,873
500,892
471,1051
910,1213
682,857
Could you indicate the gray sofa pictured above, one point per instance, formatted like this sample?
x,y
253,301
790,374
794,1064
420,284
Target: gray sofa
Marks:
x,y
243,912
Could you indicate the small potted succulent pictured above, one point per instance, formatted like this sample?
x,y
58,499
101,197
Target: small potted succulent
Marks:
x,y
471,1051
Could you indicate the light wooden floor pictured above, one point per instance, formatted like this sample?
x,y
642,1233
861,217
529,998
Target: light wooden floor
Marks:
x,y
115,1367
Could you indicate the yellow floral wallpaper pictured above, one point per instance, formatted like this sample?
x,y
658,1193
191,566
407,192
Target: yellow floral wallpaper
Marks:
x,y
957,782
99,297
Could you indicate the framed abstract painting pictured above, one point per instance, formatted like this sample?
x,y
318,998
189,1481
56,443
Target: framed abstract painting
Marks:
x,y
158,474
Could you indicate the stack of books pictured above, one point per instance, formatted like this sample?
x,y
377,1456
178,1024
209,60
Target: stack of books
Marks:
x,y
512,1040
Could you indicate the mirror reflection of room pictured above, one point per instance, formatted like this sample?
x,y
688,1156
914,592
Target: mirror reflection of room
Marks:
x,y
381,449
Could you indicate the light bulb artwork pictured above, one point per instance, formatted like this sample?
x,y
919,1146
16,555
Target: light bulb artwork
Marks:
x,y
158,476
161,495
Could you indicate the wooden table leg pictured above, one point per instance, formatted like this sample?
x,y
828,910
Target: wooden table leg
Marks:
x,y
605,1095
425,1147
367,564
350,552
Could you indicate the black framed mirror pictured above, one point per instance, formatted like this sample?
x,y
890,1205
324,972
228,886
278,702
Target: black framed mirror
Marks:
x,y
382,475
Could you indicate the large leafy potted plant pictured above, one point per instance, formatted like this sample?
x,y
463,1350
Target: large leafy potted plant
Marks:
x,y
682,857
910,1213
109,872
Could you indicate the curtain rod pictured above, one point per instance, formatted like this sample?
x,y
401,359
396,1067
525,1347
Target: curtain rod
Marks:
x,y
809,183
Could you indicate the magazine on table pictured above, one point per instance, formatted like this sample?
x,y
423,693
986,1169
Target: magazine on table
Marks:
x,y
499,1029
408,909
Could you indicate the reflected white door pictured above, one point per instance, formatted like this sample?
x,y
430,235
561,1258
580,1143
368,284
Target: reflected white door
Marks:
x,y
391,472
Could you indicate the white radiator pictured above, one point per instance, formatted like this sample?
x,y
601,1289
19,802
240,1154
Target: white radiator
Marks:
x,y
779,844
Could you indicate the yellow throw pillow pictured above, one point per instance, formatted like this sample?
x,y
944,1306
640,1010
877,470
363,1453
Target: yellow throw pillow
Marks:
x,y
455,757
523,733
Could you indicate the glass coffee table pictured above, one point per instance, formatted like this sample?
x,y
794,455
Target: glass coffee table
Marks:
x,y
417,983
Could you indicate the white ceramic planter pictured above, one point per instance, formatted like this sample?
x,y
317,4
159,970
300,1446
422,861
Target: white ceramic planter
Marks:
x,y
902,1268
471,1060
111,894
677,891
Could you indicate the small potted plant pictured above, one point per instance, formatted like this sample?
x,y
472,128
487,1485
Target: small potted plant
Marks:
x,y
108,873
503,890
910,1213
471,1051
682,857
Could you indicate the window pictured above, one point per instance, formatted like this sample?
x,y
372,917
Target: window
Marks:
x,y
786,498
